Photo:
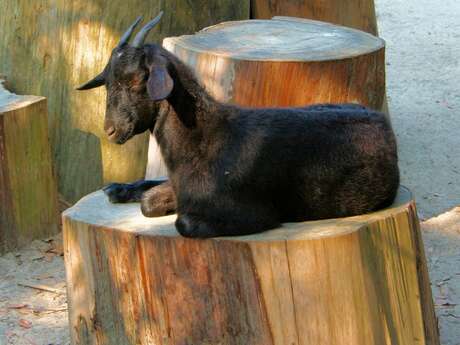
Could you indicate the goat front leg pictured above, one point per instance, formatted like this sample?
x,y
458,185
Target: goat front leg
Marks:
x,y
130,192
158,201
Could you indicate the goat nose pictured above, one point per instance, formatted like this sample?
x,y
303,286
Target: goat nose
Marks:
x,y
110,130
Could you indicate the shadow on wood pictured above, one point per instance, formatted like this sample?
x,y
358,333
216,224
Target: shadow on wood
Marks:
x,y
50,47
28,197
359,280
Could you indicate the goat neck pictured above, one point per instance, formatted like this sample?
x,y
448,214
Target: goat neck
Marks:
x,y
190,101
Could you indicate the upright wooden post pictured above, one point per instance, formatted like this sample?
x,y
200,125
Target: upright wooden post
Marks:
x,y
28,197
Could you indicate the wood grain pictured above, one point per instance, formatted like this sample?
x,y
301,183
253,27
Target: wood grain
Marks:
x,y
28,196
280,39
50,47
357,280
358,14
293,70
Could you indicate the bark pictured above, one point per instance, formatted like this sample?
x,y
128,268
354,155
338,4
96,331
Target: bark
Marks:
x,y
28,197
358,280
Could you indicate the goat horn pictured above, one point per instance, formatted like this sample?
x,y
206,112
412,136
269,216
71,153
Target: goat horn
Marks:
x,y
127,35
97,81
142,34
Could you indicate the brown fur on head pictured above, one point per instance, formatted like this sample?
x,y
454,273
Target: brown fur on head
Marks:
x,y
136,79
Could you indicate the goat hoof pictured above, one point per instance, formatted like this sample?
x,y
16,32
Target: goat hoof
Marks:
x,y
118,192
188,227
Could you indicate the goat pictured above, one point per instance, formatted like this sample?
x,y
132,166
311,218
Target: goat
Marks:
x,y
235,170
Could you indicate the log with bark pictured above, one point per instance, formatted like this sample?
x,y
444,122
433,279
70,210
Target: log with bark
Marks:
x,y
360,280
281,62
28,197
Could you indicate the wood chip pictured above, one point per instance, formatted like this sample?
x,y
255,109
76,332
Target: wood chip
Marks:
x,y
25,323
42,310
38,257
17,306
49,256
443,281
44,277
41,287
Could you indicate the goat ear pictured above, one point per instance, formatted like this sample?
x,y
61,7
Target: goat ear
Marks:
x,y
160,83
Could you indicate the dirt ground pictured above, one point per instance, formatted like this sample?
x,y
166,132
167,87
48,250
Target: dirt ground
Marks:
x,y
423,50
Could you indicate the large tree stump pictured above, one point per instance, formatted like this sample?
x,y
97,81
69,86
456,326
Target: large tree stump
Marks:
x,y
28,197
282,62
359,280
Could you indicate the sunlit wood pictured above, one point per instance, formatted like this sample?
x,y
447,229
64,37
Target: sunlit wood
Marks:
x,y
50,47
359,280
358,14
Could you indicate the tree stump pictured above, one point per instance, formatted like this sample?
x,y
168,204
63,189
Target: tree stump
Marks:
x,y
282,62
28,197
360,280
357,14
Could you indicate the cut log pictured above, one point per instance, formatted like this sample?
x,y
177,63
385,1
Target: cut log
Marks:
x,y
359,280
282,62
50,47
358,14
28,197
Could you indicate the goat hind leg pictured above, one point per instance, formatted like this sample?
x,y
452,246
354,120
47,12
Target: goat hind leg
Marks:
x,y
158,201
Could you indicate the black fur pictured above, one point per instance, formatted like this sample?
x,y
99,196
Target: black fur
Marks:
x,y
237,171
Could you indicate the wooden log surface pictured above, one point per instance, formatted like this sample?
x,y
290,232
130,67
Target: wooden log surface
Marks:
x,y
50,47
281,62
358,280
358,14
28,197
285,62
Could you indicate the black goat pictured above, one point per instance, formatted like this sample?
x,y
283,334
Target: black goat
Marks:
x,y
235,170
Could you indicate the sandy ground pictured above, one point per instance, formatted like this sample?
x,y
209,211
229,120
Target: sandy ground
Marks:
x,y
423,50
33,306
